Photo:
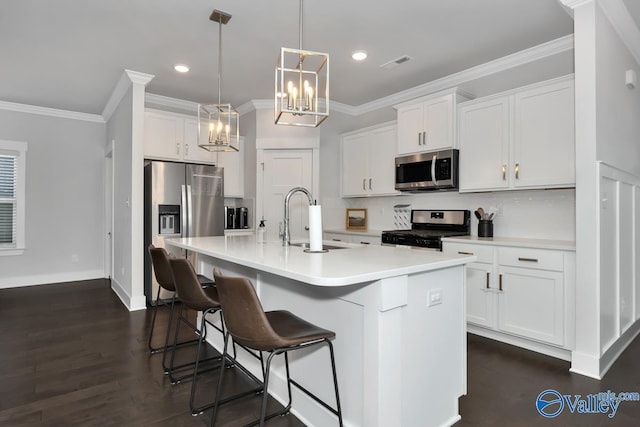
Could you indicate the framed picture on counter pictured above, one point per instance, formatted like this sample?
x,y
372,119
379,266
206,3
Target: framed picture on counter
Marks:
x,y
356,219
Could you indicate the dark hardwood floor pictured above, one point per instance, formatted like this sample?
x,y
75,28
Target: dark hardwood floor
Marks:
x,y
72,355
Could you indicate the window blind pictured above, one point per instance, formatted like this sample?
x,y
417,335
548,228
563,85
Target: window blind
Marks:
x,y
8,209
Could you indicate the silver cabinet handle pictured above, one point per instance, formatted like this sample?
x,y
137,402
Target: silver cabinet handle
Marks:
x,y
488,274
466,253
178,148
528,259
424,138
365,243
500,283
336,240
504,172
186,149
306,228
419,138
364,183
517,170
370,179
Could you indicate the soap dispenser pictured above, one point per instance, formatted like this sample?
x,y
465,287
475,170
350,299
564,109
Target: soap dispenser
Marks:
x,y
262,231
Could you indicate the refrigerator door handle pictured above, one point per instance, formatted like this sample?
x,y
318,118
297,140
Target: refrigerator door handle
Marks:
x,y
189,212
183,211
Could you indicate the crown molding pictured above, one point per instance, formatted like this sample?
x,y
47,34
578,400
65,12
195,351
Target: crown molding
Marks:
x,y
52,112
165,101
535,53
621,20
264,104
127,78
572,4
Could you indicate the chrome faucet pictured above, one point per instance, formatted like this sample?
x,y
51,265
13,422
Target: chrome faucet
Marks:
x,y
286,236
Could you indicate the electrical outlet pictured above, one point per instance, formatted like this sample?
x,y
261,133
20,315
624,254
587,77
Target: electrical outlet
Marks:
x,y
434,297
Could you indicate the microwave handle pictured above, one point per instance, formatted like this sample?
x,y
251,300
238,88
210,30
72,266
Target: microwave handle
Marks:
x,y
433,169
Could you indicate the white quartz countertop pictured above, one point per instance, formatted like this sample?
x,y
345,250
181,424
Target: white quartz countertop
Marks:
x,y
372,233
565,245
337,267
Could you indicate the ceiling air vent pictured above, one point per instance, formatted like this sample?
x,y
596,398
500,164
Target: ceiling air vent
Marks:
x,y
396,62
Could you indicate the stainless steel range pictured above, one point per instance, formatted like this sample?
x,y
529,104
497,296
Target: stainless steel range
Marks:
x,y
428,227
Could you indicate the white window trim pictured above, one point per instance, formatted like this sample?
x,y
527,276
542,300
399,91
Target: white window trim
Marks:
x,y
21,164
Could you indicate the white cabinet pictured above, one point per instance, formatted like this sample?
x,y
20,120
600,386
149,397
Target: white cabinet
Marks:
x,y
169,136
368,166
484,145
233,164
349,237
544,136
519,139
428,123
521,292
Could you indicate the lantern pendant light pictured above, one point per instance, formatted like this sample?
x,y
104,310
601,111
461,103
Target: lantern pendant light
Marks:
x,y
301,85
218,124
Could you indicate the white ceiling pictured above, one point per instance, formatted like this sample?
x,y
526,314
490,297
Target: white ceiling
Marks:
x,y
69,54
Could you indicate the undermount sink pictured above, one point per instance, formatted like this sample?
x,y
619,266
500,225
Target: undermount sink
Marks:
x,y
305,245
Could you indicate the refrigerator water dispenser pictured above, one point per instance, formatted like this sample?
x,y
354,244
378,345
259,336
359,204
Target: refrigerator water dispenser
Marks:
x,y
169,219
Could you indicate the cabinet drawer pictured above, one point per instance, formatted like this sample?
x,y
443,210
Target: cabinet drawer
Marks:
x,y
539,259
483,252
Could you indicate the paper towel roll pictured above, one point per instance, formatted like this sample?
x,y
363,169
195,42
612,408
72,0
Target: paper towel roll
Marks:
x,y
315,228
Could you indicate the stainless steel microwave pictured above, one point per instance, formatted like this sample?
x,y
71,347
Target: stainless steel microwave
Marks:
x,y
436,170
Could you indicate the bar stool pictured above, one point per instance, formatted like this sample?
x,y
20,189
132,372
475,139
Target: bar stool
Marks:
x,y
205,300
276,332
164,277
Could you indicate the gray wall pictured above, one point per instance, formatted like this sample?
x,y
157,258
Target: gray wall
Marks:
x,y
65,202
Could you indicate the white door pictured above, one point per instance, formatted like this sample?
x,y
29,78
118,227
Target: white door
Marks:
x,y
284,170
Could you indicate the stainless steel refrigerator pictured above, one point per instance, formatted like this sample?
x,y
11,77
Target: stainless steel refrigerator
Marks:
x,y
180,200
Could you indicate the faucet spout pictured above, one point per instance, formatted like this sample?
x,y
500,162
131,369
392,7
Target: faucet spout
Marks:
x,y
286,236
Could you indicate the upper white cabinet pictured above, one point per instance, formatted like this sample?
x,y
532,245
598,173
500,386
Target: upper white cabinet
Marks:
x,y
519,139
233,164
169,136
428,123
368,166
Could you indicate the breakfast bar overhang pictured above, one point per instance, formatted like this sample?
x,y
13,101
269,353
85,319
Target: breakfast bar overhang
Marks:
x,y
398,314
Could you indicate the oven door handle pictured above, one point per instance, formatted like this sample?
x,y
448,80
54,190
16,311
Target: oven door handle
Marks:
x,y
433,170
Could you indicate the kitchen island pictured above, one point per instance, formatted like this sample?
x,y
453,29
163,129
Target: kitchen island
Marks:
x,y
398,314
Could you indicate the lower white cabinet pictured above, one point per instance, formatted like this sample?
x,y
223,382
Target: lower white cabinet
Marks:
x,y
520,291
347,237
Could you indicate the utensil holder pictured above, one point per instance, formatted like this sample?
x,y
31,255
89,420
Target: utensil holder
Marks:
x,y
485,228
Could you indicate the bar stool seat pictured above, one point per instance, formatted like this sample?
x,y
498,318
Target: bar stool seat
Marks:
x,y
276,332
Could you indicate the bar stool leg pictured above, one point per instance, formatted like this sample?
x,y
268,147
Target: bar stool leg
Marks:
x,y
216,404
335,382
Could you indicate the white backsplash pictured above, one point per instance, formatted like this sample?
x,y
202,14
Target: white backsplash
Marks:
x,y
538,214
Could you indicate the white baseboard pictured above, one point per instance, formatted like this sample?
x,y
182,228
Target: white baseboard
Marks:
x,y
45,279
615,350
132,303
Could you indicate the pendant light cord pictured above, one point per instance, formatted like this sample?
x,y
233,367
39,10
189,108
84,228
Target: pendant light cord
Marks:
x,y
300,22
219,60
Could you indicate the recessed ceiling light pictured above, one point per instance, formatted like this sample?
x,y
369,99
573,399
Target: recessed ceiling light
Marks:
x,y
359,55
181,68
